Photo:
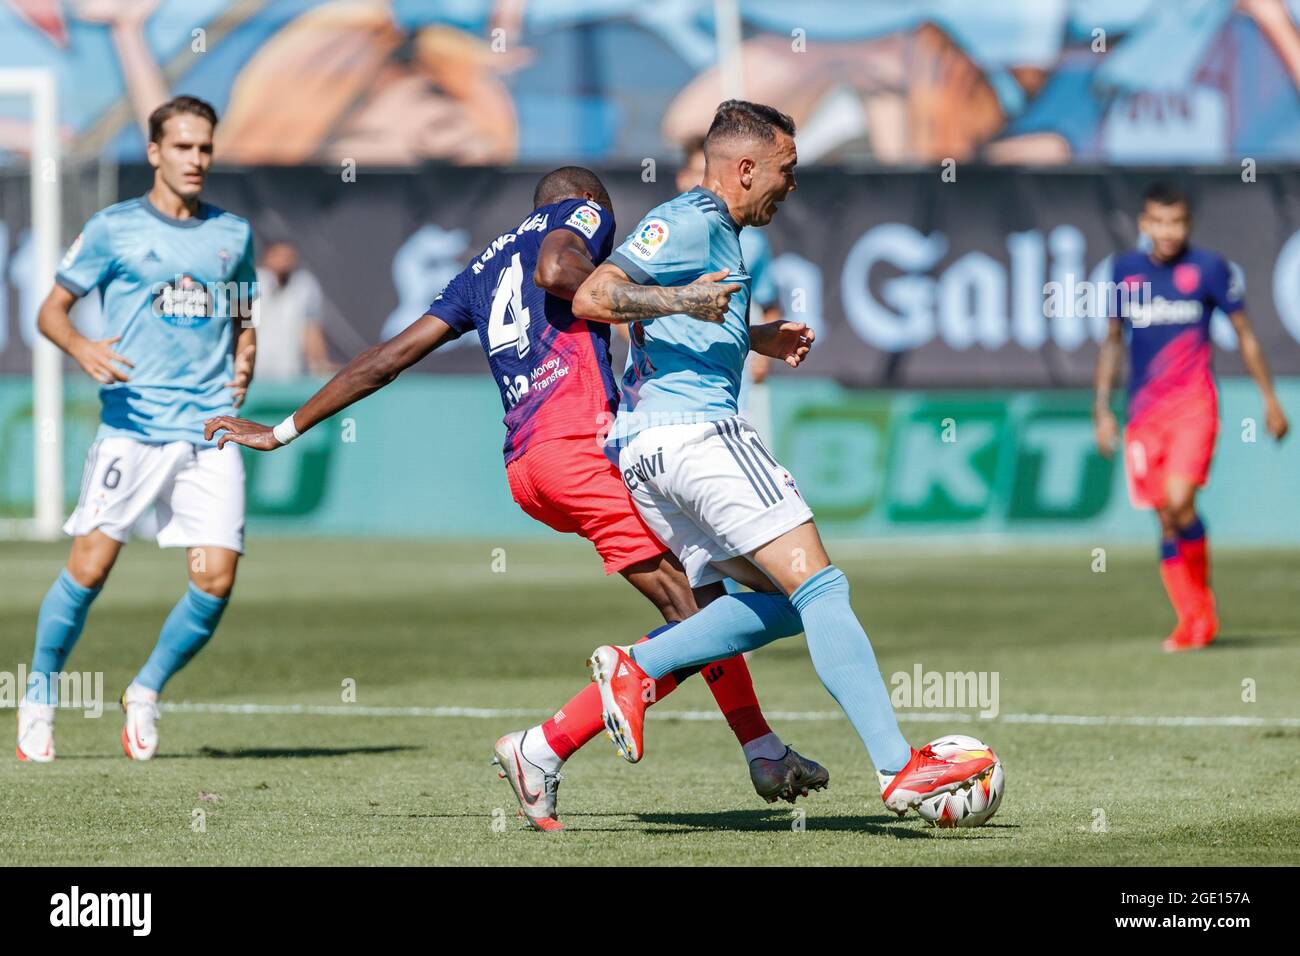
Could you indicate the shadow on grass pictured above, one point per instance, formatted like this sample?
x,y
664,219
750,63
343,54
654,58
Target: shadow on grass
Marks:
x,y
1227,642
736,821
291,753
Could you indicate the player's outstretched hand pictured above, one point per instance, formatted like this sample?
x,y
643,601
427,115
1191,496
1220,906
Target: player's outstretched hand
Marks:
x,y
1107,431
96,358
1275,421
708,297
787,341
242,432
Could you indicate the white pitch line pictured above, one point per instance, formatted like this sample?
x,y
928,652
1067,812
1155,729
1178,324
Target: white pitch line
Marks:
x,y
924,716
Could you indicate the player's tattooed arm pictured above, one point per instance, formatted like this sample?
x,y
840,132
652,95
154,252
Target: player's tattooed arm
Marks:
x,y
1108,358
608,295
1252,356
370,371
563,263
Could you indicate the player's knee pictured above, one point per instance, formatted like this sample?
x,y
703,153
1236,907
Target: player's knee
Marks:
x,y
1181,507
219,583
89,570
665,584
676,604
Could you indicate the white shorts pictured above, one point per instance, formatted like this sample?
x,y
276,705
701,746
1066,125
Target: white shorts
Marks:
x,y
710,491
184,495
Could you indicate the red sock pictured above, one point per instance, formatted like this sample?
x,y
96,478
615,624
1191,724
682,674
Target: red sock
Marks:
x,y
733,689
1183,592
1194,549
1197,557
580,719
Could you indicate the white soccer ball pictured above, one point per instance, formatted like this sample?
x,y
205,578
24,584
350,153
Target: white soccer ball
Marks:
x,y
965,808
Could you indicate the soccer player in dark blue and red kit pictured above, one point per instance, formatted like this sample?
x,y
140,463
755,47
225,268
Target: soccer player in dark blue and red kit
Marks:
x,y
1166,296
557,388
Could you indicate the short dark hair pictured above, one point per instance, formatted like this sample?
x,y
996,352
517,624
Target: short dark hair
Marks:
x,y
569,181
1165,193
175,106
741,119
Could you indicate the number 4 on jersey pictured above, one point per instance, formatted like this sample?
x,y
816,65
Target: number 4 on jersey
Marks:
x,y
508,323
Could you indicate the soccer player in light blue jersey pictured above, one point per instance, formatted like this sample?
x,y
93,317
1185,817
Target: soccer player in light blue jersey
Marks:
x,y
176,277
703,479
765,299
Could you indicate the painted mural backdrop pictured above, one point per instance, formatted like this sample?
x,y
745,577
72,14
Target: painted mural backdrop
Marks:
x,y
396,82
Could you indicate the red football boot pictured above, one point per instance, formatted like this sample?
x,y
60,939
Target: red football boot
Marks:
x,y
927,774
625,692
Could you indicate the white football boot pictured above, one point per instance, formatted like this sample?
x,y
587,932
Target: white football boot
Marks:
x,y
535,788
35,732
140,732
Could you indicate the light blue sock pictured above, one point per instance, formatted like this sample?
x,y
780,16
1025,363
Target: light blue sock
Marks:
x,y
729,626
58,625
842,656
184,633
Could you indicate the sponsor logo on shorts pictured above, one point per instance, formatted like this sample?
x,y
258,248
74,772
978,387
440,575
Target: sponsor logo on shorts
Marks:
x,y
644,469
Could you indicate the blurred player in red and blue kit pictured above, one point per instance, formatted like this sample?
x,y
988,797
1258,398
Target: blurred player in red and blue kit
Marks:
x,y
1167,295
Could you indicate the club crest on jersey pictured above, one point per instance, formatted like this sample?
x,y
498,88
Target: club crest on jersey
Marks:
x,y
649,238
184,303
585,219
1187,276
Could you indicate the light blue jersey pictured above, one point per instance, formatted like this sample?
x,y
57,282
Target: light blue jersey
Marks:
x,y
170,289
758,256
680,369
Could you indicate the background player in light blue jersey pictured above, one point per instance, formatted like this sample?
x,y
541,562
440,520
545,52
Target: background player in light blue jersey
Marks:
x,y
176,277
703,479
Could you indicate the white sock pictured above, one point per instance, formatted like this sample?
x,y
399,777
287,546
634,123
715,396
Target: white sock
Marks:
x,y
769,746
139,691
538,752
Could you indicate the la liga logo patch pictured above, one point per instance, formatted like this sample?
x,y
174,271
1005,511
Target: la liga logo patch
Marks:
x,y
649,238
585,219
71,256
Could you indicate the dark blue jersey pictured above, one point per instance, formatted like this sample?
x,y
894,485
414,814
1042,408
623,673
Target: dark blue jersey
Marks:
x,y
1167,319
552,369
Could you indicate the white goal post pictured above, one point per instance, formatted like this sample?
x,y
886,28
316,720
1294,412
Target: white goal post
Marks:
x,y
41,88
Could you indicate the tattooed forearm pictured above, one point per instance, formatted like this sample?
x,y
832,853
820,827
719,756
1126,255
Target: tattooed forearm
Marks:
x,y
608,295
628,302
607,298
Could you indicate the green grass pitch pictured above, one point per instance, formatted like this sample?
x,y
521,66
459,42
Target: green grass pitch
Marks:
x,y
431,624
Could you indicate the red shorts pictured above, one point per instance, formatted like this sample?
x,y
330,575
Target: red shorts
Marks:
x,y
568,484
1160,448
